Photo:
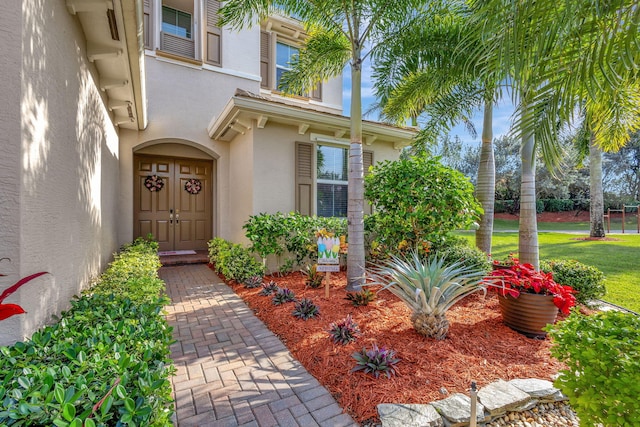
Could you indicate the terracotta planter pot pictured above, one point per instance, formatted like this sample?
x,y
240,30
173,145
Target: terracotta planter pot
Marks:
x,y
528,313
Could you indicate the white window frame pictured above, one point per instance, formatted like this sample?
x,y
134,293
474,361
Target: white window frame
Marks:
x,y
332,144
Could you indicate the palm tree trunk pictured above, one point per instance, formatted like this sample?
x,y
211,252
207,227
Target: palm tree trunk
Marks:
x,y
486,187
528,230
596,205
355,205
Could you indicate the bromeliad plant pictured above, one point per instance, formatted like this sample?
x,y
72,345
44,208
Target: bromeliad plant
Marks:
x,y
362,298
517,278
269,288
429,287
344,331
283,295
314,277
305,309
376,361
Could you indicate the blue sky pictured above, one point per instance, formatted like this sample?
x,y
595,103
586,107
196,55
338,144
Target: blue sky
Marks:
x,y
501,114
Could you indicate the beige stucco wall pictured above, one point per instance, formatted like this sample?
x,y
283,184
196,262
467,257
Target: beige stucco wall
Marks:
x,y
64,154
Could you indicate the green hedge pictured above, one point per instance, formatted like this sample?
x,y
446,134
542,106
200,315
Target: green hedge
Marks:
x,y
234,261
105,362
588,281
602,354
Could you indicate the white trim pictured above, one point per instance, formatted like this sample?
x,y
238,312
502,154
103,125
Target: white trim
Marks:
x,y
206,67
231,72
318,137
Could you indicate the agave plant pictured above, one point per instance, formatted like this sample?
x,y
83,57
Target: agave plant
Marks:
x,y
429,287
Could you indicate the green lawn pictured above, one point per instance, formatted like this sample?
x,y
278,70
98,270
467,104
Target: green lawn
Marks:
x,y
619,260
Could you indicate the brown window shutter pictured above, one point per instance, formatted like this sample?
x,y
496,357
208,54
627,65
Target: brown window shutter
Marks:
x,y
367,160
146,24
304,178
265,58
213,41
316,92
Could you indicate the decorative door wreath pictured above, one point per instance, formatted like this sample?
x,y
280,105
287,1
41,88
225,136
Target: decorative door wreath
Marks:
x,y
193,186
154,183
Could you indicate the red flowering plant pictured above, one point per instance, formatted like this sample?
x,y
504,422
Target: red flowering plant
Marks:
x,y
516,278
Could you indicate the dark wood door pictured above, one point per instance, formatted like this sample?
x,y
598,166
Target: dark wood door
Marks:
x,y
173,201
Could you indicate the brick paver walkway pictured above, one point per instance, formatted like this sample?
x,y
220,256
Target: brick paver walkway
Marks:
x,y
231,370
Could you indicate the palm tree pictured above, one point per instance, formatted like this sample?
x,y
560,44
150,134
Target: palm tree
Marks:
x,y
423,73
561,56
339,33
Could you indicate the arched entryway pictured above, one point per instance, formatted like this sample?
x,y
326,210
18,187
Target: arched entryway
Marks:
x,y
173,199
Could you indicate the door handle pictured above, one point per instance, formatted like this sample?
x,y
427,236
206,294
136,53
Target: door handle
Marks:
x,y
170,216
177,216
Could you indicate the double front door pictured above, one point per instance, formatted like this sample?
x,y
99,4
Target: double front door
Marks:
x,y
173,201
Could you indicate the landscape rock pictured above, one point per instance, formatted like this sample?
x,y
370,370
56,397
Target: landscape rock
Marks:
x,y
535,388
500,397
457,410
403,415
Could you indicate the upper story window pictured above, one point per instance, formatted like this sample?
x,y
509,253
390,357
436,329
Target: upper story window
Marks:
x,y
275,60
284,55
184,28
176,22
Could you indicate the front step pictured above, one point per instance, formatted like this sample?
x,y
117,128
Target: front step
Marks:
x,y
200,257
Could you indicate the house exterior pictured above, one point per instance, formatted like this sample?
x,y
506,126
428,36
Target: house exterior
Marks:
x,y
122,118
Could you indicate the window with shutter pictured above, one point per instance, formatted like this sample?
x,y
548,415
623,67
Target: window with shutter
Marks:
x,y
333,180
213,38
304,178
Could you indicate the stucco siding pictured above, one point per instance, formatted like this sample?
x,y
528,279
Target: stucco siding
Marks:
x,y
67,167
241,185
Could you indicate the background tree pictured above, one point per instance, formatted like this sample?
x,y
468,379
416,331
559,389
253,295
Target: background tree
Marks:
x,y
560,56
339,33
423,74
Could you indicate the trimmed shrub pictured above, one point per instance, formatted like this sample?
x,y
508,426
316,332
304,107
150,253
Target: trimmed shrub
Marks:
x,y
588,281
602,354
418,201
466,255
234,261
113,344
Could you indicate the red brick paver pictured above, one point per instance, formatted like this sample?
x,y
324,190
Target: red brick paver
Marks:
x,y
231,370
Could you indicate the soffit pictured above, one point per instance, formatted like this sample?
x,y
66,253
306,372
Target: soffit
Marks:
x,y
114,47
245,111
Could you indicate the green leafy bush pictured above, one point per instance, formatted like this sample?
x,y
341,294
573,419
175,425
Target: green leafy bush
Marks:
x,y
557,205
216,246
113,343
293,233
362,298
602,354
418,200
586,279
466,255
234,261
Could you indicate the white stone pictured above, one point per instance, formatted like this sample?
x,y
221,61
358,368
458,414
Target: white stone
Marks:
x,y
457,410
500,397
398,415
535,387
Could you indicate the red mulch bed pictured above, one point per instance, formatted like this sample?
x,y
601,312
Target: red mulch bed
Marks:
x,y
478,348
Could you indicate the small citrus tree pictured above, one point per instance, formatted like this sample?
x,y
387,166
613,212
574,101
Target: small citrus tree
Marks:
x,y
418,202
